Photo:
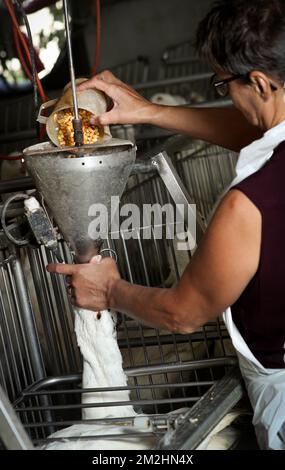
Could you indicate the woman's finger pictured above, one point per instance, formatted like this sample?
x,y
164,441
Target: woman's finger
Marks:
x,y
104,119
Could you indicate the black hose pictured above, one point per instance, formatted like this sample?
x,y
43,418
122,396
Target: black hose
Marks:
x,y
32,55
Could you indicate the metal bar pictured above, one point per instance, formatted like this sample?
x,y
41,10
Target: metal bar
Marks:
x,y
137,371
70,58
173,81
28,319
9,137
176,367
140,370
117,389
107,421
118,437
33,344
115,404
194,426
177,190
12,432
181,60
16,184
213,104
76,122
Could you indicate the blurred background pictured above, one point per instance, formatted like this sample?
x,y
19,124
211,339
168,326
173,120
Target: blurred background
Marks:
x,y
144,42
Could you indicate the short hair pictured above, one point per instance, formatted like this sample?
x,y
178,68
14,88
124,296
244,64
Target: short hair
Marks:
x,y
239,36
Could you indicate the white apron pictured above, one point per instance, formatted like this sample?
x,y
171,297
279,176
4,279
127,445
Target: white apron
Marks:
x,y
266,387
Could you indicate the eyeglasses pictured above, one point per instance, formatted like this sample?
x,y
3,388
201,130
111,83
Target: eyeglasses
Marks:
x,y
222,86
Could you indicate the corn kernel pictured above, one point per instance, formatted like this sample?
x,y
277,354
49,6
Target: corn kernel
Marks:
x,y
65,134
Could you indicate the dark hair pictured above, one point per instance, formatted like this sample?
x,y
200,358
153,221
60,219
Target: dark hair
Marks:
x,y
239,36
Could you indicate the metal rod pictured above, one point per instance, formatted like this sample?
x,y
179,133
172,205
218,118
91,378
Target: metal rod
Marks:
x,y
16,184
29,326
70,58
162,401
178,192
173,81
117,389
157,418
12,432
118,437
77,125
28,319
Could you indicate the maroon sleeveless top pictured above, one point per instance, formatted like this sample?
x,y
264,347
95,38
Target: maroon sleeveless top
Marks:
x,y
259,313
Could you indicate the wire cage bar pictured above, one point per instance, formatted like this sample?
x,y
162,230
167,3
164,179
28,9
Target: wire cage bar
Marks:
x,y
133,71
17,123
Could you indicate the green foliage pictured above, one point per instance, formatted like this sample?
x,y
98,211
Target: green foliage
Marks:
x,y
57,32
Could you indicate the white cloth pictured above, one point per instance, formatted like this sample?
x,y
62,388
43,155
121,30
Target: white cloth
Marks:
x,y
266,387
102,364
102,368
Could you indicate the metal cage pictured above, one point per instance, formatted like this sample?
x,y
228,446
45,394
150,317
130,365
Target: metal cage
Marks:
x,y
40,364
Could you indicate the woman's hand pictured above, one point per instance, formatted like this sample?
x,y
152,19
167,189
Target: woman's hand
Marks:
x,y
128,106
89,284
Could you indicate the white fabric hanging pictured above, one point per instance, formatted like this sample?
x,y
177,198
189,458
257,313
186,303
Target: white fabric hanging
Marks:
x,y
266,387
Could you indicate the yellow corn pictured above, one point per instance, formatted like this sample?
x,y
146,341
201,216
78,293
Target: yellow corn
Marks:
x,y
64,119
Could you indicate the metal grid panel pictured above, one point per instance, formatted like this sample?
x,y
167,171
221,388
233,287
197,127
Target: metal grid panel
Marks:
x,y
192,88
132,72
182,50
52,316
17,124
206,170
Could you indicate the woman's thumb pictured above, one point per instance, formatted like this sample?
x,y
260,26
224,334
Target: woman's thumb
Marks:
x,y
102,120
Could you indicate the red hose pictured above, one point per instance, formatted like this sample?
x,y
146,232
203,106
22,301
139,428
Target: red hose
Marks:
x,y
20,55
11,158
17,31
98,38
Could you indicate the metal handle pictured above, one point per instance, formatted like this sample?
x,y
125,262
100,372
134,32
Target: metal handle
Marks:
x,y
48,104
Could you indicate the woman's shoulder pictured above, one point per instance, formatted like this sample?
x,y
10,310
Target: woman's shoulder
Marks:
x,y
265,187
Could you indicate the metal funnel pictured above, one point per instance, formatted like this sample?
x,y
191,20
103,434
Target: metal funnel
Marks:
x,y
71,180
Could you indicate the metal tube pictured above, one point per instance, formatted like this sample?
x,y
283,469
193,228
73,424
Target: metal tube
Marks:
x,y
33,344
16,184
77,125
12,432
173,81
28,319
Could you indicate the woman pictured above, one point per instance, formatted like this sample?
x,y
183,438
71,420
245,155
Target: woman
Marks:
x,y
241,260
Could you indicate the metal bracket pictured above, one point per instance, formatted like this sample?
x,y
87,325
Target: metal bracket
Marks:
x,y
42,228
194,426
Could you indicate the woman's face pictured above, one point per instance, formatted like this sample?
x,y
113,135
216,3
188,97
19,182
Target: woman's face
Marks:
x,y
261,105
246,100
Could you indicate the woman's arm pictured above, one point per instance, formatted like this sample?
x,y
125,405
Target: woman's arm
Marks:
x,y
226,127
221,268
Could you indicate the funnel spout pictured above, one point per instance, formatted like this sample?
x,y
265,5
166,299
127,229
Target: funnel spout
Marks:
x,y
85,251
